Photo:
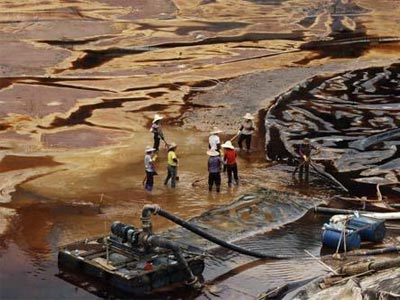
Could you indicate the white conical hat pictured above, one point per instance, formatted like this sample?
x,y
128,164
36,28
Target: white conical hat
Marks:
x,y
171,146
248,116
228,144
212,152
149,149
215,130
157,118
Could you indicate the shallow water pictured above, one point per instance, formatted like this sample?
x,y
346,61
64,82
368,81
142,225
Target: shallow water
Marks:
x,y
80,83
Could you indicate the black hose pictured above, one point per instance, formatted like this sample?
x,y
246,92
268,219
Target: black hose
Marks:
x,y
157,241
214,239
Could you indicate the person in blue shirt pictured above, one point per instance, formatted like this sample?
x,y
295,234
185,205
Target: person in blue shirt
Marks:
x,y
214,169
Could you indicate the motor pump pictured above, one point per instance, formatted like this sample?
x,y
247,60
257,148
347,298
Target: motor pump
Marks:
x,y
124,233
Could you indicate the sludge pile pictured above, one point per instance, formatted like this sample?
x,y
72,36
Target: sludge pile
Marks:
x,y
353,117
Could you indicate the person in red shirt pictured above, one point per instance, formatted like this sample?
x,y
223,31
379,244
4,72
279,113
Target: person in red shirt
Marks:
x,y
230,155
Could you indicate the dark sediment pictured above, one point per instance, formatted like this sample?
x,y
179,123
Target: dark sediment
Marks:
x,y
353,117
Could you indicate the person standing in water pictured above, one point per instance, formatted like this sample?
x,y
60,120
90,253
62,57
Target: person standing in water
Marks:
x,y
245,131
172,165
229,159
214,169
149,168
158,134
304,152
214,141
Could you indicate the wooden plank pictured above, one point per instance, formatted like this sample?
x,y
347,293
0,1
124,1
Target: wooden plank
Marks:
x,y
103,262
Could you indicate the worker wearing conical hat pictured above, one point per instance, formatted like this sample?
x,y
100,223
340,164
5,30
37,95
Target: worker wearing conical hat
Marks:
x,y
214,169
214,142
245,131
230,163
149,168
158,134
172,165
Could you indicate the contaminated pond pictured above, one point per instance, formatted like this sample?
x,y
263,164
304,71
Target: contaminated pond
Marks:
x,y
81,81
29,253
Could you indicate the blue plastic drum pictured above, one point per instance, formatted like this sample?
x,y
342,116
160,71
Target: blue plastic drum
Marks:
x,y
370,229
331,237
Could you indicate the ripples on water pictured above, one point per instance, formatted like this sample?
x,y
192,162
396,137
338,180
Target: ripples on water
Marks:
x,y
259,211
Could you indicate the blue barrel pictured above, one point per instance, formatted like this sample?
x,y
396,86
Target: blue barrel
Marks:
x,y
330,238
370,229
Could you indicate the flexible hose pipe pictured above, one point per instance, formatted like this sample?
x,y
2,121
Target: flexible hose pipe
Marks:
x,y
155,209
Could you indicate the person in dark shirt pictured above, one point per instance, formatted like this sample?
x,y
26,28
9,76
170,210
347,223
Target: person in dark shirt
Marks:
x,y
158,134
304,152
214,169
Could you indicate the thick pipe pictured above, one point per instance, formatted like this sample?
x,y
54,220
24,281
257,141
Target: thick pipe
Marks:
x,y
329,210
382,265
147,210
366,266
157,210
374,251
376,215
156,241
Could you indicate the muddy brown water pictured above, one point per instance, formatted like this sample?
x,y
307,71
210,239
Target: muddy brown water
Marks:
x,y
80,83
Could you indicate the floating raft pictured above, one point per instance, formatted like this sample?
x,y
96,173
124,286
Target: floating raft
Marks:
x,y
131,270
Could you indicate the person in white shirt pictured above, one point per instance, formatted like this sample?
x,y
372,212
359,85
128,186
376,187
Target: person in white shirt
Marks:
x,y
214,142
149,168
245,131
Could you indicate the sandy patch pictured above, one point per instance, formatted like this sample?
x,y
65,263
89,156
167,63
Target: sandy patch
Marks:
x,y
6,214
